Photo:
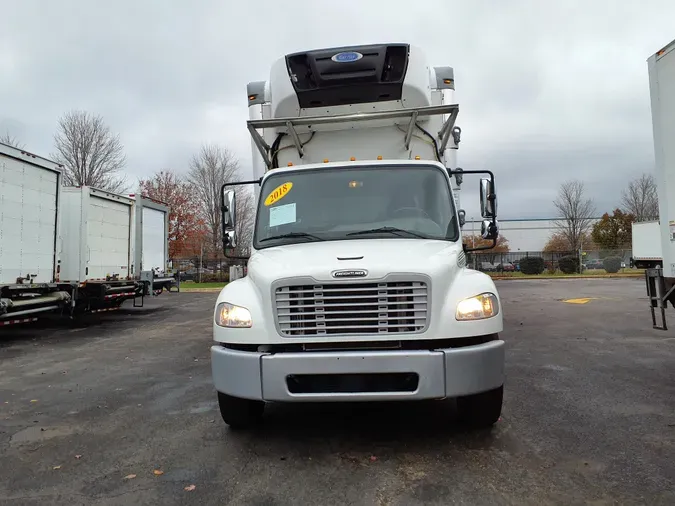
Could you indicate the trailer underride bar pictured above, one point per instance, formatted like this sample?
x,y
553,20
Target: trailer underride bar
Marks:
x,y
413,113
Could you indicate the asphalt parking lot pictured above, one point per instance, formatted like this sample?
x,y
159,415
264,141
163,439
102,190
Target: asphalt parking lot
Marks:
x,y
122,411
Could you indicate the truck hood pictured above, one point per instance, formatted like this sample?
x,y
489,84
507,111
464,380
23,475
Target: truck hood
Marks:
x,y
378,257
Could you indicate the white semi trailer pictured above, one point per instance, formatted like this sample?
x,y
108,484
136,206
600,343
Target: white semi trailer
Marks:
x,y
661,281
113,247
70,250
30,188
357,287
646,241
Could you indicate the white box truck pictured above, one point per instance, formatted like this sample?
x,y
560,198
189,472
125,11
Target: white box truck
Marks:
x,y
357,287
646,249
113,247
661,280
29,230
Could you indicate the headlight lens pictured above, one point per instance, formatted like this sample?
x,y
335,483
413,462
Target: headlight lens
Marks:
x,y
229,315
479,307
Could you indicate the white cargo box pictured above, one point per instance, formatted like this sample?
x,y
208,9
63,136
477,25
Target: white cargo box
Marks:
x,y
106,235
646,238
95,234
29,197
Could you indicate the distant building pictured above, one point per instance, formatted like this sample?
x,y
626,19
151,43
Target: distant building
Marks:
x,y
523,235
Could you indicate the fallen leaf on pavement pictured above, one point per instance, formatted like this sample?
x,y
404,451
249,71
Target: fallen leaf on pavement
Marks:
x,y
129,476
157,472
190,488
56,468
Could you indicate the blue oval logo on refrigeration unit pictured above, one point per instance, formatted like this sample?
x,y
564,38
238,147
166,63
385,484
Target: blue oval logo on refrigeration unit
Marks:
x,y
346,56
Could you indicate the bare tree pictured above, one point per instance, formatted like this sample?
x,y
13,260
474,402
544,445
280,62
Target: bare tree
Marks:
x,y
209,170
10,140
575,213
91,154
641,199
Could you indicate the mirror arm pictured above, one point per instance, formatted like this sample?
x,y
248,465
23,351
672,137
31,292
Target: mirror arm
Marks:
x,y
237,183
233,257
480,248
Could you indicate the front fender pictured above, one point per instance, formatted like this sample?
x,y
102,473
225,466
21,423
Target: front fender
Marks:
x,y
242,292
468,283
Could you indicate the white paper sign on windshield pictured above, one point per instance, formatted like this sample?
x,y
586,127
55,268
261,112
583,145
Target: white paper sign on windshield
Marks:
x,y
282,215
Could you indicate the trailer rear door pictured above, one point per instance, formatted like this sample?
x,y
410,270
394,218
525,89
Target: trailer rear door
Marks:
x,y
108,232
154,239
28,210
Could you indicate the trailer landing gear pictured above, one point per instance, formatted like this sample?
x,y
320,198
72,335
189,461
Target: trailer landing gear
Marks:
x,y
660,291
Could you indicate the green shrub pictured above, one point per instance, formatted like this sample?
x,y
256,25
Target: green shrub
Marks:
x,y
532,265
218,277
569,265
612,264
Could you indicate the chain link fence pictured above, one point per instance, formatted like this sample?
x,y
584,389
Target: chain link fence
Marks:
x,y
578,261
205,269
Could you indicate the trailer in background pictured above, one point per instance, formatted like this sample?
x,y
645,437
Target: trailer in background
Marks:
x,y
113,248
661,281
29,230
646,249
150,246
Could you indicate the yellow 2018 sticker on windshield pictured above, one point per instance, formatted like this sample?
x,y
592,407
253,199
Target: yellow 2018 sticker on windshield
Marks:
x,y
278,193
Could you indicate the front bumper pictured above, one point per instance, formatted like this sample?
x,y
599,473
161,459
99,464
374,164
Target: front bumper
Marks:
x,y
439,373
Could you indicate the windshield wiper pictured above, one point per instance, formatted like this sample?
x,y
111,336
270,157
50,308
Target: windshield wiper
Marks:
x,y
392,230
291,235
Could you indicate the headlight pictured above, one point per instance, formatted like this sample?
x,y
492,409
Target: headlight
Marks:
x,y
229,315
479,307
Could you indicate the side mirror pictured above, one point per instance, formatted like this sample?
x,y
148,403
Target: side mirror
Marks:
x,y
462,217
229,211
489,230
488,199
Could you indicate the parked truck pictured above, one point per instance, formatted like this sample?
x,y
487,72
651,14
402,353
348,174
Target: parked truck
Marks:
x,y
646,239
71,250
113,247
357,287
29,231
661,280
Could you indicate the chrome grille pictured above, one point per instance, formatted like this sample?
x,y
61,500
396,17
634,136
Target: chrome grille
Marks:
x,y
352,308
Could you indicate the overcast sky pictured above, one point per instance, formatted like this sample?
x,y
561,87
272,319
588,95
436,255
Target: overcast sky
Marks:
x,y
548,91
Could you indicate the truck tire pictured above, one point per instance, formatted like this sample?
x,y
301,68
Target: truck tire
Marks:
x,y
240,413
481,410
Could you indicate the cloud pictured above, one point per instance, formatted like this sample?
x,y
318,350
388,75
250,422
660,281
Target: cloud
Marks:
x,y
547,92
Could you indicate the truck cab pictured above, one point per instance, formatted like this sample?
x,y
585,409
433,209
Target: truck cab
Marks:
x,y
357,287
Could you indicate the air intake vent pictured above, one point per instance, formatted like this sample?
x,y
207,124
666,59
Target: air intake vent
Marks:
x,y
352,308
348,75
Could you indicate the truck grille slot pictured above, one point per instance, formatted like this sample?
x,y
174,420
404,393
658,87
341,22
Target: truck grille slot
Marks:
x,y
352,308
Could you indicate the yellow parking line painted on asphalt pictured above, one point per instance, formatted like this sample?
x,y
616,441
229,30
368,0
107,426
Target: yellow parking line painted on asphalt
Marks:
x,y
584,300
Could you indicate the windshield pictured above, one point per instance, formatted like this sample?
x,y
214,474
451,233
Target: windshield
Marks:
x,y
355,203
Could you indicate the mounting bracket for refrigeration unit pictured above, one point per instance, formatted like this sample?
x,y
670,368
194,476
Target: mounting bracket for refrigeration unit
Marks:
x,y
447,130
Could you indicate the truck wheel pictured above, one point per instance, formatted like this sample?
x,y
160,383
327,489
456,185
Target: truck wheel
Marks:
x,y
240,413
481,410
